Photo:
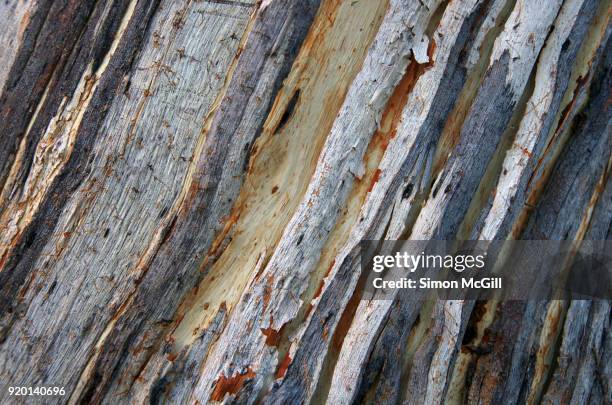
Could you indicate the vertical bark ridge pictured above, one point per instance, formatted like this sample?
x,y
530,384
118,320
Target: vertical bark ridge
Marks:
x,y
185,186
250,94
18,268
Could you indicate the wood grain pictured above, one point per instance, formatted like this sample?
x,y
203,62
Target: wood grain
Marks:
x,y
184,186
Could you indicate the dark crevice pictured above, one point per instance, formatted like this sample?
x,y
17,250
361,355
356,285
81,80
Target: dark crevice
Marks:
x,y
288,111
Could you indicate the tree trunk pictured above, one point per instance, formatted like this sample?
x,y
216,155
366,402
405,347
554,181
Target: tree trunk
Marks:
x,y
184,186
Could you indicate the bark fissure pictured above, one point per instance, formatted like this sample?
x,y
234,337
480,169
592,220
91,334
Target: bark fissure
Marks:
x,y
186,188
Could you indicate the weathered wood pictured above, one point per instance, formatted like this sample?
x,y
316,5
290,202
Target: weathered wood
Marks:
x,y
184,186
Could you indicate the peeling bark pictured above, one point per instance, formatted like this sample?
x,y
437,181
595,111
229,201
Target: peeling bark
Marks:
x,y
184,187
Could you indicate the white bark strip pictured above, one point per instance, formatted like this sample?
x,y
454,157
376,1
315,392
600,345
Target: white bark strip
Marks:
x,y
185,186
541,121
408,143
342,155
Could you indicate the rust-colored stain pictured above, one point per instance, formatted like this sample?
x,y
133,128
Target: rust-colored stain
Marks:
x,y
25,20
308,310
555,322
170,339
273,336
230,385
267,291
394,108
27,285
330,268
375,178
319,289
525,151
580,83
283,366
347,316
488,387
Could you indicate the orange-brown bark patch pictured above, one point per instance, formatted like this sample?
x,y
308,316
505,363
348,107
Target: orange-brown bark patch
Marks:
x,y
283,366
230,385
267,291
272,335
375,178
393,111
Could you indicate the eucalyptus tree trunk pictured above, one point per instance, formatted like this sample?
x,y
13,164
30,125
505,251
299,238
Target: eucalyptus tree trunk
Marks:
x,y
184,186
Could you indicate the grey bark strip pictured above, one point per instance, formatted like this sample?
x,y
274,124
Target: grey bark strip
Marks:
x,y
342,155
260,69
454,37
515,385
184,186
26,249
447,204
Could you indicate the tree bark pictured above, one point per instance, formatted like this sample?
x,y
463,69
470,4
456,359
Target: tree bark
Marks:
x,y
184,186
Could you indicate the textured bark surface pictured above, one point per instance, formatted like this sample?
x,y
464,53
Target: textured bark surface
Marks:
x,y
184,186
